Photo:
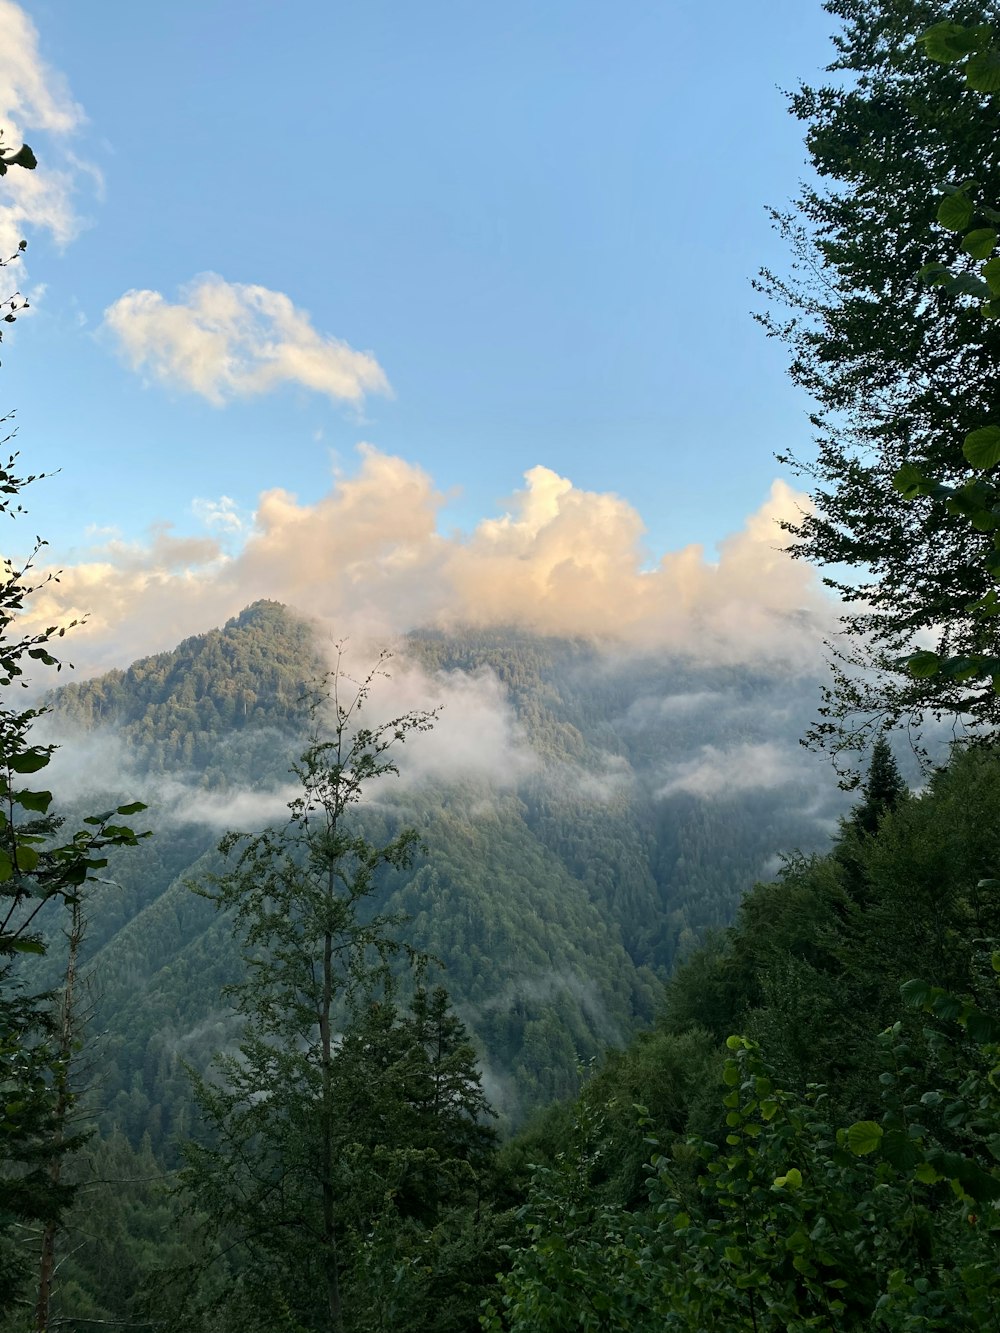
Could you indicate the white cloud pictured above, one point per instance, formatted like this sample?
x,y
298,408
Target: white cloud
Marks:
x,y
754,766
35,99
368,559
227,340
223,514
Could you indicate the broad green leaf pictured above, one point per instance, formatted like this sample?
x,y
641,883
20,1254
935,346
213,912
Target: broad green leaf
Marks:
x,y
935,275
991,272
135,808
982,446
863,1137
27,946
900,1150
962,668
29,762
926,1174
909,481
983,1028
948,42
26,858
983,72
980,243
923,665
6,867
955,212
967,284
39,801
791,1180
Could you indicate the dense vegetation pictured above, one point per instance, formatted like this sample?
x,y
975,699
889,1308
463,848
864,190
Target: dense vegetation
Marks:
x,y
286,1126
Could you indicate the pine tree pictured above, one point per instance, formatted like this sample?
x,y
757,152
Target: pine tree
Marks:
x,y
883,789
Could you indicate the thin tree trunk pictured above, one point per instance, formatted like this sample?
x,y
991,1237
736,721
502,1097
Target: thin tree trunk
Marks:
x,y
331,1262
64,1101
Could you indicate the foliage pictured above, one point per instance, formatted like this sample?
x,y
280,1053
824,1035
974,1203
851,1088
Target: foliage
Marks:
x,y
39,867
901,370
342,1129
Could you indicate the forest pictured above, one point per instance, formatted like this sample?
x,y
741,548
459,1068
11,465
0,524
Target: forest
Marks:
x,y
582,1033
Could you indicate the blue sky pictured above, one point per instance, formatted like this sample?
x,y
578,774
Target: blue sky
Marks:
x,y
541,219
484,239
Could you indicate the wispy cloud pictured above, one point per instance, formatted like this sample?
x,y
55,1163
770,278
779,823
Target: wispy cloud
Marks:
x,y
225,340
34,98
222,515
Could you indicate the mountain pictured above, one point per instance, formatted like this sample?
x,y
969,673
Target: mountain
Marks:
x,y
587,812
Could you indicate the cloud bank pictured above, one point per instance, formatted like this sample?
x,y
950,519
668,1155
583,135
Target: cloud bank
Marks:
x,y
225,340
367,559
35,99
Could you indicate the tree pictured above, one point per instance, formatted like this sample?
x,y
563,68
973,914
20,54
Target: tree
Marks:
x,y
39,868
901,371
883,789
335,1105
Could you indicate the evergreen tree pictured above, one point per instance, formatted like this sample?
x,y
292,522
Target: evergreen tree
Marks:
x,y
884,788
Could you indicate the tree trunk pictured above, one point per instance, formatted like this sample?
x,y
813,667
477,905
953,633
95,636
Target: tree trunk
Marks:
x,y
64,1101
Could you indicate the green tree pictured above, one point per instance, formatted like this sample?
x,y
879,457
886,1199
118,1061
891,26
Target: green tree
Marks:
x,y
883,789
900,371
39,868
335,1104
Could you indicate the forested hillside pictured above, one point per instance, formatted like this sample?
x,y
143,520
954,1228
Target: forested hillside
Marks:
x,y
558,880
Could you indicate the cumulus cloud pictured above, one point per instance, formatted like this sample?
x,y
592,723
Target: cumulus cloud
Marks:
x,y
368,559
225,340
35,99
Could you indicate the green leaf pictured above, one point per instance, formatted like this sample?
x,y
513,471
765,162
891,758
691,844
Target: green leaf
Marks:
x,y
935,275
955,212
962,668
909,481
926,1174
24,157
26,858
984,1029
923,665
983,72
991,272
863,1137
135,808
980,243
39,801
982,446
967,284
791,1180
27,946
29,762
6,867
949,42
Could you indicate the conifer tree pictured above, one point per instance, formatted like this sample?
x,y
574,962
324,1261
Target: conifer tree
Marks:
x,y
883,788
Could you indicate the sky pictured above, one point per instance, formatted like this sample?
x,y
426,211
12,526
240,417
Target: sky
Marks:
x,y
442,310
